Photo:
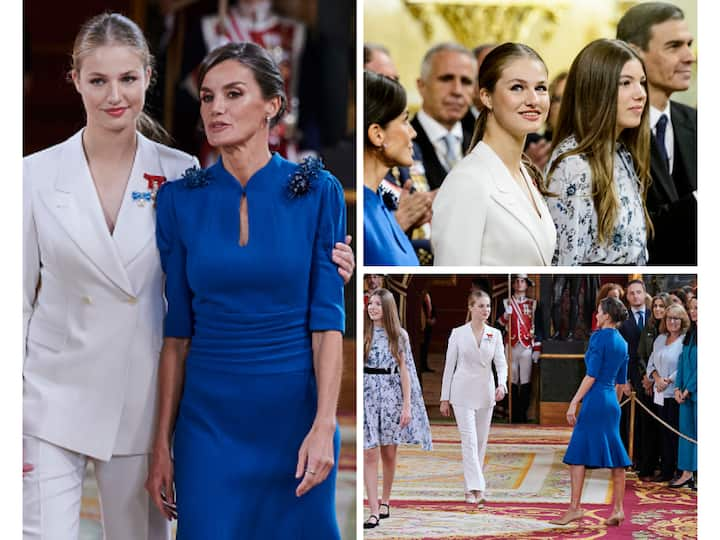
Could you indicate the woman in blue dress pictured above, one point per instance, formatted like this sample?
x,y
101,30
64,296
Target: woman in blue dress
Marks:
x,y
250,365
388,143
595,441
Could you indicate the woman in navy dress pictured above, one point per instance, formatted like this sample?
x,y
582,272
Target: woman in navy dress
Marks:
x,y
595,441
250,366
388,143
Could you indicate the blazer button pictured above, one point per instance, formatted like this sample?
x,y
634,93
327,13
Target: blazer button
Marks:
x,y
87,300
132,300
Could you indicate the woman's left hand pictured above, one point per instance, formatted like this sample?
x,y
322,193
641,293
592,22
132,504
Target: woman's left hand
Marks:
x,y
343,256
316,458
570,415
405,416
499,393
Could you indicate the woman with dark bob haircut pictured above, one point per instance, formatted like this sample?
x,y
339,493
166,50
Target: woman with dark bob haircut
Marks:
x,y
595,441
599,170
249,370
388,143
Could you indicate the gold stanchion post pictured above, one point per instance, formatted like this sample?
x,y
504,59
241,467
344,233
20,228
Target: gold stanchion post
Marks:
x,y
631,435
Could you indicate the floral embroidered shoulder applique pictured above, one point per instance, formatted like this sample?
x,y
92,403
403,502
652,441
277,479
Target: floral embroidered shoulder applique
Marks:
x,y
301,181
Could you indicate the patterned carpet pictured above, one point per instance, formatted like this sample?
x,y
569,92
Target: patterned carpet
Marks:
x,y
91,529
528,485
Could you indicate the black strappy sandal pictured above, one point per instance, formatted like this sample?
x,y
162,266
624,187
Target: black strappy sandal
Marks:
x,y
384,515
372,522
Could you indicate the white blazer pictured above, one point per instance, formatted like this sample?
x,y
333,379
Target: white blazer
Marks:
x,y
468,379
482,217
93,303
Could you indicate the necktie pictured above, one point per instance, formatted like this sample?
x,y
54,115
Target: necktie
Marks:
x,y
640,320
660,128
451,157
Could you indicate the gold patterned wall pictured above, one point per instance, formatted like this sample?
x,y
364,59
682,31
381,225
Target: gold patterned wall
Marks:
x,y
557,29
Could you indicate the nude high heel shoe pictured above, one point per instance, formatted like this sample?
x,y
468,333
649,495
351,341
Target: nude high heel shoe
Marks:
x,y
570,515
615,520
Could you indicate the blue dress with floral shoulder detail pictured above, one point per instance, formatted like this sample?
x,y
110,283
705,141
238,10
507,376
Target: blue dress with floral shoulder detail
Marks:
x,y
249,396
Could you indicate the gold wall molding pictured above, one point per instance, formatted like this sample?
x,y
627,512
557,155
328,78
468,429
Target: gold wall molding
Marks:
x,y
556,29
473,22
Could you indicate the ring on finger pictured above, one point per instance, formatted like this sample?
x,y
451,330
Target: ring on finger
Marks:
x,y
309,471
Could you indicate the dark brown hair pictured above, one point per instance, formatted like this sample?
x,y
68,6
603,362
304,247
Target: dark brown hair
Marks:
x,y
660,297
390,322
385,100
614,309
256,59
636,24
589,113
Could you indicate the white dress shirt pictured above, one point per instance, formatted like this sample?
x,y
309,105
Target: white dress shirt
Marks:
x,y
436,132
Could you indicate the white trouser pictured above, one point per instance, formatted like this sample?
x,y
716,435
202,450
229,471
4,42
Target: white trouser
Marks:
x,y
521,363
52,495
474,427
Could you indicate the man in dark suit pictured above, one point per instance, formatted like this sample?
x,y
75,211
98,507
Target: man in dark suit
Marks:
x,y
446,83
631,329
660,35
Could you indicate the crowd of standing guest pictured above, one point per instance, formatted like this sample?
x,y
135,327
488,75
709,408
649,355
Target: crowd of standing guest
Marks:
x,y
662,347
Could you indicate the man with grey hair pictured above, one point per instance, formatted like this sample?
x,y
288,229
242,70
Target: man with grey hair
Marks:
x,y
446,84
660,35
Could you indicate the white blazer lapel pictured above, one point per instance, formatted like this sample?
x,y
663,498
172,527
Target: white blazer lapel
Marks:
x,y
136,220
511,197
76,205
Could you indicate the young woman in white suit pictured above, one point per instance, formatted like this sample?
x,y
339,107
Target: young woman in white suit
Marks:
x,y
490,200
93,301
468,386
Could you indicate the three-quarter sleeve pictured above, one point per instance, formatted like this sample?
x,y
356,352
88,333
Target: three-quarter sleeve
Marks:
x,y
327,302
621,377
451,358
173,258
593,356
571,210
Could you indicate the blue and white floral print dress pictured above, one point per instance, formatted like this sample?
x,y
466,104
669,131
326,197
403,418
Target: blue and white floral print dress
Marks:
x,y
576,220
383,398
